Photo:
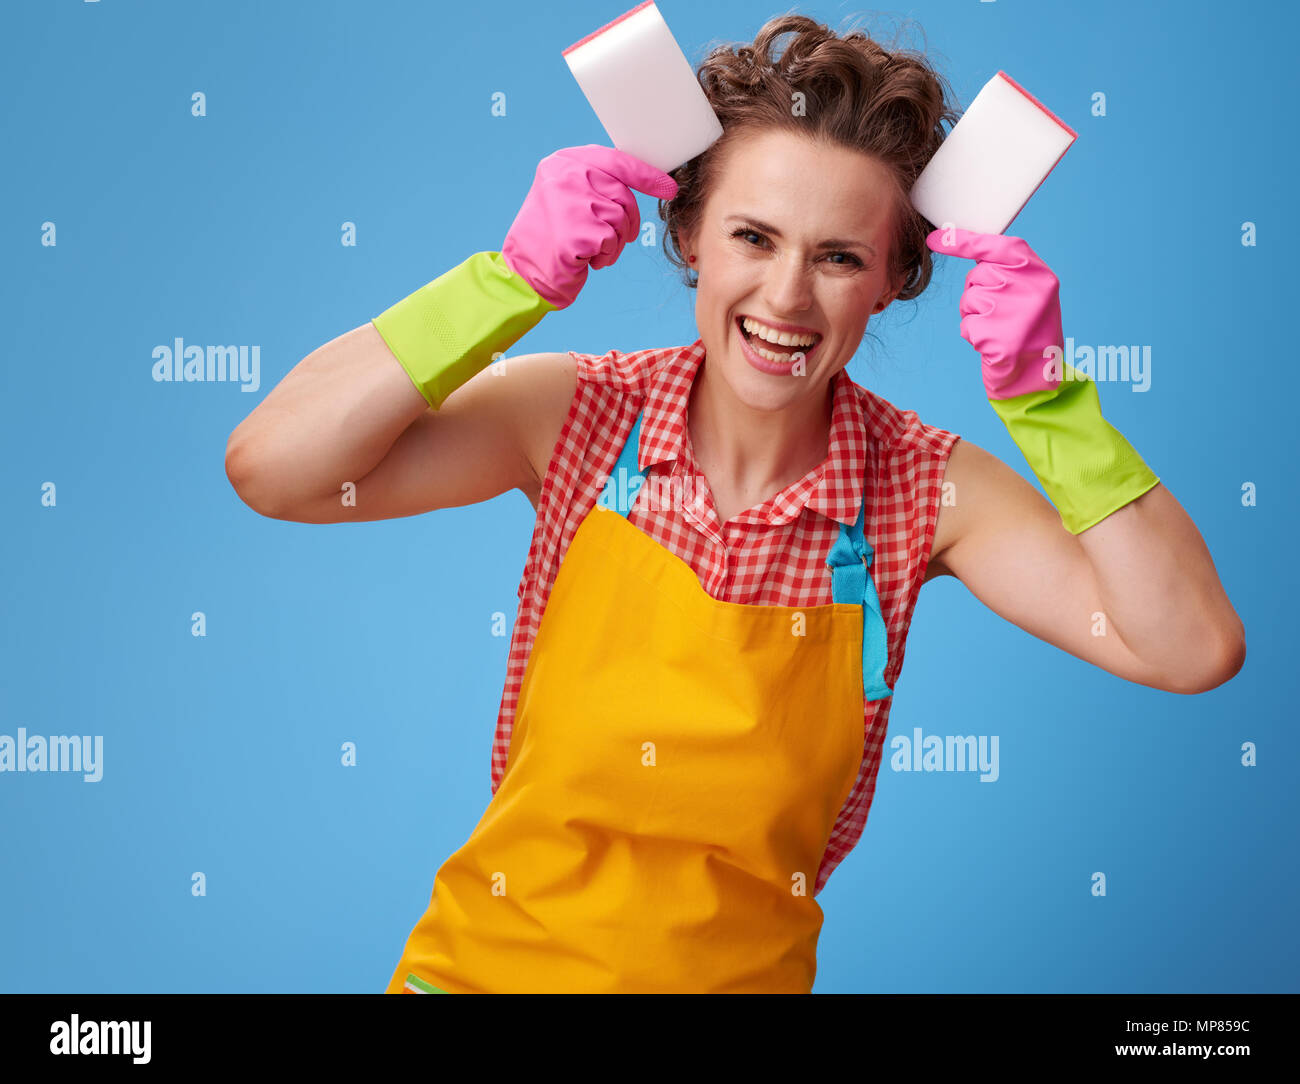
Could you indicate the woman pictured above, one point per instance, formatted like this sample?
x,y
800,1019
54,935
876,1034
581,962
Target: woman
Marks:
x,y
730,536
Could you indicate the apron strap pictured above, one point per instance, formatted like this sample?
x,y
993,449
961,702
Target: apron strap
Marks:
x,y
849,561
626,468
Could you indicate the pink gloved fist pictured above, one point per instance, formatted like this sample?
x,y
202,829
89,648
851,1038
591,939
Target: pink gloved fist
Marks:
x,y
579,213
1011,311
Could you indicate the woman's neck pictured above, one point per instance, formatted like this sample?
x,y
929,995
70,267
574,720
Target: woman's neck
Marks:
x,y
751,455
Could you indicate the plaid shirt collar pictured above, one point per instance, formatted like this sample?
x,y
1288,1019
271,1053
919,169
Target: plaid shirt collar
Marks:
x,y
833,488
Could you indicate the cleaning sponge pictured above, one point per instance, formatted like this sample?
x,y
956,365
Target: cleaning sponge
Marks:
x,y
644,90
993,160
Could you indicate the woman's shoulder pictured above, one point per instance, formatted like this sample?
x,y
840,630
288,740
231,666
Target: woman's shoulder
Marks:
x,y
571,396
901,433
578,412
626,373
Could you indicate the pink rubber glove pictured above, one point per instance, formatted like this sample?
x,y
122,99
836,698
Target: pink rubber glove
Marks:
x,y
579,213
1011,311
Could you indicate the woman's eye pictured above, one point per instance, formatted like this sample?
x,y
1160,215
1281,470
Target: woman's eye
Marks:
x,y
849,259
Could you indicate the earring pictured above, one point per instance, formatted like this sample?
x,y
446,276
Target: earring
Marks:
x,y
692,259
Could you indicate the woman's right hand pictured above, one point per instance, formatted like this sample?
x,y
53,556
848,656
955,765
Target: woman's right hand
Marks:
x,y
347,418
579,213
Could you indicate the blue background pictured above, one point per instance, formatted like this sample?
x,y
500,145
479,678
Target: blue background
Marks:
x,y
222,753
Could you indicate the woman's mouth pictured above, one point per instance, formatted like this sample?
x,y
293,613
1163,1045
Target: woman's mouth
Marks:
x,y
764,353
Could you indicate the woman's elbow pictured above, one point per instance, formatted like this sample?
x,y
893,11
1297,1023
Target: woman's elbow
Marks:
x,y
1225,665
1234,658
243,476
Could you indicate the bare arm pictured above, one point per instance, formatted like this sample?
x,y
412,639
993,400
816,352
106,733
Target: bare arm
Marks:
x,y
348,413
1166,621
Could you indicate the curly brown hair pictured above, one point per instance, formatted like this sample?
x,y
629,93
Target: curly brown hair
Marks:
x,y
888,103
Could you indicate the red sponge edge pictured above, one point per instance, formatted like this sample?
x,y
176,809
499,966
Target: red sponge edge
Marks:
x,y
1073,134
612,22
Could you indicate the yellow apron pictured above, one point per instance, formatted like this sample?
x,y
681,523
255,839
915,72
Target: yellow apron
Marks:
x,y
676,766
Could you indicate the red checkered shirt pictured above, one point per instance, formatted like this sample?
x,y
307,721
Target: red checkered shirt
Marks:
x,y
773,554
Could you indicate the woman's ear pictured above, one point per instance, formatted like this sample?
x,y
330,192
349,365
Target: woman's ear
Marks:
x,y
686,245
887,299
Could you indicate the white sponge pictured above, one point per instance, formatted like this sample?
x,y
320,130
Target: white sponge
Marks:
x,y
993,160
644,90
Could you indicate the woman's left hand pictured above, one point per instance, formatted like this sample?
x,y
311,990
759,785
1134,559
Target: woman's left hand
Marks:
x,y
1011,311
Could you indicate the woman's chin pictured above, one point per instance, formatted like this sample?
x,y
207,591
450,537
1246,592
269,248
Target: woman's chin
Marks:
x,y
755,387
759,390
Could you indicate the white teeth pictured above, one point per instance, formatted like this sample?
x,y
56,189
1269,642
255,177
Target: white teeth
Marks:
x,y
781,338
780,359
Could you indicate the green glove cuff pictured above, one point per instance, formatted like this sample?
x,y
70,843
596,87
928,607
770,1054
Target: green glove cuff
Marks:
x,y
1086,466
449,330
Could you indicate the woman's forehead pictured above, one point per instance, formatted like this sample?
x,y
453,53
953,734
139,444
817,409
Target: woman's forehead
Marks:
x,y
805,185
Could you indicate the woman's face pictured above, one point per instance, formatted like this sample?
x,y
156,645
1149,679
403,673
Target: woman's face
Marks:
x,y
794,235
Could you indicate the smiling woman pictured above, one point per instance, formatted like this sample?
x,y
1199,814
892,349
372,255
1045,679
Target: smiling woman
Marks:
x,y
790,249
731,535
799,78
795,229
678,653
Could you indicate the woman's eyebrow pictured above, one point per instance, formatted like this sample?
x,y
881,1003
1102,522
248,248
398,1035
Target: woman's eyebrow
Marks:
x,y
834,242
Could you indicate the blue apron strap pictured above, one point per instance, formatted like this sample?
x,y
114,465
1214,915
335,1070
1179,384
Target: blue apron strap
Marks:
x,y
849,562
625,481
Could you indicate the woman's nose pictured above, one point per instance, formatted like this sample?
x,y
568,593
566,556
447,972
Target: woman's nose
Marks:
x,y
789,284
